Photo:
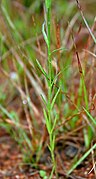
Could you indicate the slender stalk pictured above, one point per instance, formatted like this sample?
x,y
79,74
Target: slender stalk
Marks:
x,y
49,54
49,108
50,87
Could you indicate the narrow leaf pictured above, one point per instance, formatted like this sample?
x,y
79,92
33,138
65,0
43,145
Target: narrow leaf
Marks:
x,y
8,18
54,99
59,74
89,115
54,124
58,49
6,112
48,125
42,70
44,100
82,158
44,34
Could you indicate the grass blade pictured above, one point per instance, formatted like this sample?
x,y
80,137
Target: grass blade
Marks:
x,y
54,99
42,70
82,158
89,115
44,34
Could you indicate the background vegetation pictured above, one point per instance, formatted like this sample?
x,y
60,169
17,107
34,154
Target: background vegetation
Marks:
x,y
40,108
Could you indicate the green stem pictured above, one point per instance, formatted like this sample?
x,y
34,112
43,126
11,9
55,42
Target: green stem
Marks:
x,y
50,88
49,54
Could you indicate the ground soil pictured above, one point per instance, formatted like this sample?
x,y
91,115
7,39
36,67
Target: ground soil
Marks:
x,y
11,160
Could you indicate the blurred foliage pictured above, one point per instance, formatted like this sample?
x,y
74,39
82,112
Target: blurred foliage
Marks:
x,y
21,21
27,3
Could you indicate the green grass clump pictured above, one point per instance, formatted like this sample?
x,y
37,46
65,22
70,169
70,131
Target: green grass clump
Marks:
x,y
50,122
